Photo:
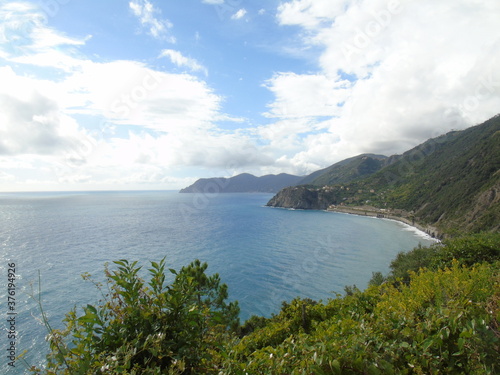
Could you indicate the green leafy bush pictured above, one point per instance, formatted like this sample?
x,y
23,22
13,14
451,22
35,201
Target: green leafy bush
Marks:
x,y
253,323
413,261
467,250
146,327
442,322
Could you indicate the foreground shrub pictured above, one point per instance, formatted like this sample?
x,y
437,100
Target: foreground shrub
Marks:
x,y
146,327
436,313
442,322
467,250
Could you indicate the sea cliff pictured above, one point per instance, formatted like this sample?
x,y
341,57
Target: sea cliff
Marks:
x,y
302,198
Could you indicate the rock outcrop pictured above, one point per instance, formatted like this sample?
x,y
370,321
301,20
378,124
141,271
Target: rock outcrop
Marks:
x,y
302,198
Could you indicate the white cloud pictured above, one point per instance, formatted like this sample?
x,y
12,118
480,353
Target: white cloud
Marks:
x,y
26,38
107,124
31,121
239,14
157,28
180,60
180,110
417,69
305,95
151,99
310,14
6,177
198,148
386,79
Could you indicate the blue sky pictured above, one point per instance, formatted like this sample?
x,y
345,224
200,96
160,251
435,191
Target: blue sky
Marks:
x,y
150,94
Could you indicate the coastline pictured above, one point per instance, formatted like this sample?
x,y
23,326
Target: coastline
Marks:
x,y
396,215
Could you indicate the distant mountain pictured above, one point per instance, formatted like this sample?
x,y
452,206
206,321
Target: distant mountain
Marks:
x,y
346,170
243,183
451,182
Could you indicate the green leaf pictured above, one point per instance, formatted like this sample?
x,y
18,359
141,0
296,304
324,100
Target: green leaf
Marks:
x,y
460,343
335,365
92,309
427,344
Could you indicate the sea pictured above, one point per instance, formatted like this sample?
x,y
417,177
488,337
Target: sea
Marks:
x,y
265,255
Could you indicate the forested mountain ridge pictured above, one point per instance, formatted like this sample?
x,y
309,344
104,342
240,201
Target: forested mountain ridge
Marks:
x,y
346,170
243,183
452,182
342,172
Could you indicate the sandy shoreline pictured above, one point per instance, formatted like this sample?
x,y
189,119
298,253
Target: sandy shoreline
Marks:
x,y
396,215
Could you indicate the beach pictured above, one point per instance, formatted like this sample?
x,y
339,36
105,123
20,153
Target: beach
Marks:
x,y
391,214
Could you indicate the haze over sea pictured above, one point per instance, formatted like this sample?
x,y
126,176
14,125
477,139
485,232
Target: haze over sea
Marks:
x,y
265,255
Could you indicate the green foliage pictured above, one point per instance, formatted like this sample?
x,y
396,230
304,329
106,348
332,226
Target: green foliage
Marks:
x,y
444,321
470,249
448,180
413,261
253,323
467,250
377,279
437,312
146,327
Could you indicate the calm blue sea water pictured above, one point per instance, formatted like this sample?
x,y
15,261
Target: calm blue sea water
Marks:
x,y
265,255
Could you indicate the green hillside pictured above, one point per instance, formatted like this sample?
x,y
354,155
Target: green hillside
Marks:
x,y
451,182
346,170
